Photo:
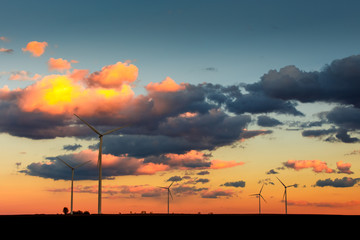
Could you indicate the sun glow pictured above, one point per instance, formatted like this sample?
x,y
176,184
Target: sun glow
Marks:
x,y
61,90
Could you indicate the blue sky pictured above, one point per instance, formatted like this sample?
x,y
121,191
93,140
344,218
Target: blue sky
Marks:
x,y
240,40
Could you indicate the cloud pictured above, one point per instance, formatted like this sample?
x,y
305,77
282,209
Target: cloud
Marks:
x,y
318,132
59,64
112,166
217,193
202,180
338,183
60,94
116,191
174,179
5,39
324,204
316,165
70,147
203,172
6,50
272,171
114,76
36,48
346,117
122,165
220,164
344,167
23,76
235,184
336,82
210,69
265,121
167,85
256,102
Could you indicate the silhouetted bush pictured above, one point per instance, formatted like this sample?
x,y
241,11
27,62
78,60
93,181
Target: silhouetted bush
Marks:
x,y
65,210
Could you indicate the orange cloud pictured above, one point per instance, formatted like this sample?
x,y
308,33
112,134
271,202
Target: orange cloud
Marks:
x,y
59,64
217,193
219,164
344,167
196,159
151,168
6,50
24,76
324,204
167,85
60,94
316,165
36,48
191,159
114,76
5,39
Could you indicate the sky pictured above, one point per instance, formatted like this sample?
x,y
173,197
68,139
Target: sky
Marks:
x,y
219,97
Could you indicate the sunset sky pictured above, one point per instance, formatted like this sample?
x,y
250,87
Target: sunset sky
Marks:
x,y
221,97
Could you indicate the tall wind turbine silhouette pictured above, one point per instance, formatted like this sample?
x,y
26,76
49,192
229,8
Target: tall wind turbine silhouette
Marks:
x,y
169,194
72,179
259,196
100,156
285,193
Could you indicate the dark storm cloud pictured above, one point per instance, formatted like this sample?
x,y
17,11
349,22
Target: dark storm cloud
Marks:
x,y
181,134
337,82
318,132
174,179
265,121
259,103
35,125
70,147
338,183
346,117
234,184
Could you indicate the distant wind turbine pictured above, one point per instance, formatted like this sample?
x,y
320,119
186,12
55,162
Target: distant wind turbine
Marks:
x,y
285,193
72,179
169,194
99,157
259,196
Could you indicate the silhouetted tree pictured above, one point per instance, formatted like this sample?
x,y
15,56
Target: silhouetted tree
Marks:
x,y
65,210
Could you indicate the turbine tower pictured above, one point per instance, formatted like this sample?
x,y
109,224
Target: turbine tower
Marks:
x,y
259,196
168,199
72,179
285,193
99,157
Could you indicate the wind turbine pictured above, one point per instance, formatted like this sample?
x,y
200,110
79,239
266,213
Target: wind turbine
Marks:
x,y
72,179
99,157
259,196
285,193
169,194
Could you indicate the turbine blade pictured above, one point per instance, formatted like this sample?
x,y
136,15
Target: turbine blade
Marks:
x,y
115,129
171,184
261,188
170,194
64,162
281,182
284,195
263,198
81,164
92,128
291,185
256,194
